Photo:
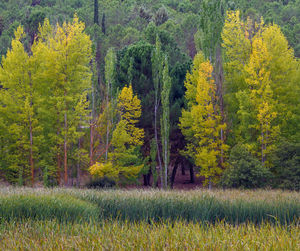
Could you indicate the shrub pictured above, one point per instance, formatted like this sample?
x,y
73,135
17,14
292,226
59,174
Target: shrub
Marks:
x,y
104,182
287,166
244,170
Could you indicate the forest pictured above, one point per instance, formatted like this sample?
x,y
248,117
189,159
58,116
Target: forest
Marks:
x,y
124,92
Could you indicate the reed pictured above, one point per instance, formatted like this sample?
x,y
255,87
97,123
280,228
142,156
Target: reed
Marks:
x,y
62,207
233,207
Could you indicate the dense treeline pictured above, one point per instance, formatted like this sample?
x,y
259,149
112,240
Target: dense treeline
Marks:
x,y
146,87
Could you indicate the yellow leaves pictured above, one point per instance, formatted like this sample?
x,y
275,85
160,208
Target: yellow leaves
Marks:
x,y
103,169
45,30
130,109
124,160
201,123
191,79
19,33
236,41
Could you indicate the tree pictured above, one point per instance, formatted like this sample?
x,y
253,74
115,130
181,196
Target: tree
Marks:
x,y
18,108
165,120
256,111
124,160
244,170
157,68
96,12
237,49
201,122
65,80
286,167
284,81
110,62
1,25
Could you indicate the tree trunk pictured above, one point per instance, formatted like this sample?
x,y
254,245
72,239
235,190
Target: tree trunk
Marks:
x,y
182,170
174,174
31,137
107,126
157,145
166,164
78,165
31,153
192,175
91,143
219,83
209,184
58,168
103,24
65,152
262,148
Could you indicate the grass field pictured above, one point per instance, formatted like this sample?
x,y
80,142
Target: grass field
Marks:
x,y
71,219
52,235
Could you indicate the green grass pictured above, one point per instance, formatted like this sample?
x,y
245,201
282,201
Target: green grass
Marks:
x,y
113,235
199,205
234,207
74,219
62,207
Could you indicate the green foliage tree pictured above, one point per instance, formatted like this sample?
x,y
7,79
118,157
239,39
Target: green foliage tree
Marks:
x,y
157,70
257,59
286,167
165,120
18,109
66,79
245,171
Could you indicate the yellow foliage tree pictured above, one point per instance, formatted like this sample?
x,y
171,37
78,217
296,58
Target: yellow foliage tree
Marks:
x,y
201,122
261,98
124,161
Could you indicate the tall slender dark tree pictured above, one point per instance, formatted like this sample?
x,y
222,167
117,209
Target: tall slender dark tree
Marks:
x,y
96,12
103,24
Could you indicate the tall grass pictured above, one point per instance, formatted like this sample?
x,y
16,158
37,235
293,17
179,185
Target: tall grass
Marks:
x,y
62,207
113,235
234,207
192,206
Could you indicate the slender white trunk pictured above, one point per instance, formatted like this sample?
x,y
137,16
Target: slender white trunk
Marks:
x,y
166,163
157,145
65,151
107,126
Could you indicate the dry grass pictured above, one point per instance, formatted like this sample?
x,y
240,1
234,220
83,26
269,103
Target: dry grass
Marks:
x,y
52,235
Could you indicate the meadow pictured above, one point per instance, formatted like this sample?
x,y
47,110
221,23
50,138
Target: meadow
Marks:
x,y
81,219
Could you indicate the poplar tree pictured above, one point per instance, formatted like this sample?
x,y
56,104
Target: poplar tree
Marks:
x,y
237,49
201,122
67,54
261,98
165,119
157,69
261,85
18,110
110,63
124,159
